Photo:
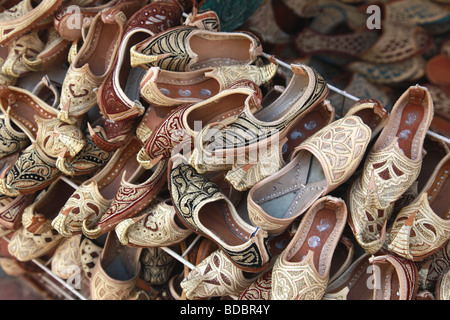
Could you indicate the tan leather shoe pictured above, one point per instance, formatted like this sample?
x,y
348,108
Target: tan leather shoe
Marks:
x,y
118,96
92,63
319,165
252,131
117,271
169,89
37,237
26,16
391,167
423,227
302,270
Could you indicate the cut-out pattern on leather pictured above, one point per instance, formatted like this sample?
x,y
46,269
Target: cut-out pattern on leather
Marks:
x,y
387,174
157,228
421,236
215,276
290,282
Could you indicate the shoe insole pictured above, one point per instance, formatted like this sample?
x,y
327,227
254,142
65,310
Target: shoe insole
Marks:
x,y
387,285
294,191
316,240
410,122
308,125
216,217
111,180
220,51
23,112
360,282
191,90
58,197
284,103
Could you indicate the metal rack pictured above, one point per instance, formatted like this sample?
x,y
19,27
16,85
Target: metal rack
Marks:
x,y
75,294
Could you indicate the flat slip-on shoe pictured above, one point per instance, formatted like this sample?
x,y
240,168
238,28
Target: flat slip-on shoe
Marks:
x,y
423,227
94,196
169,89
117,271
180,126
157,226
54,53
216,276
132,197
91,65
317,166
34,169
118,96
390,168
26,16
243,176
252,131
186,48
203,208
26,46
66,259
302,270
343,257
13,120
37,237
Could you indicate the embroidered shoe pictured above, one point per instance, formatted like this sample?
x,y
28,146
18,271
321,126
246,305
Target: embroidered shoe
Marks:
x,y
118,95
169,89
423,227
91,65
97,192
186,48
318,166
391,167
27,15
180,126
37,237
203,208
251,132
156,226
302,270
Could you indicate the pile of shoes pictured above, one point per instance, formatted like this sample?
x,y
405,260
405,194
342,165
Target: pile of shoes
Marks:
x,y
169,137
371,49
